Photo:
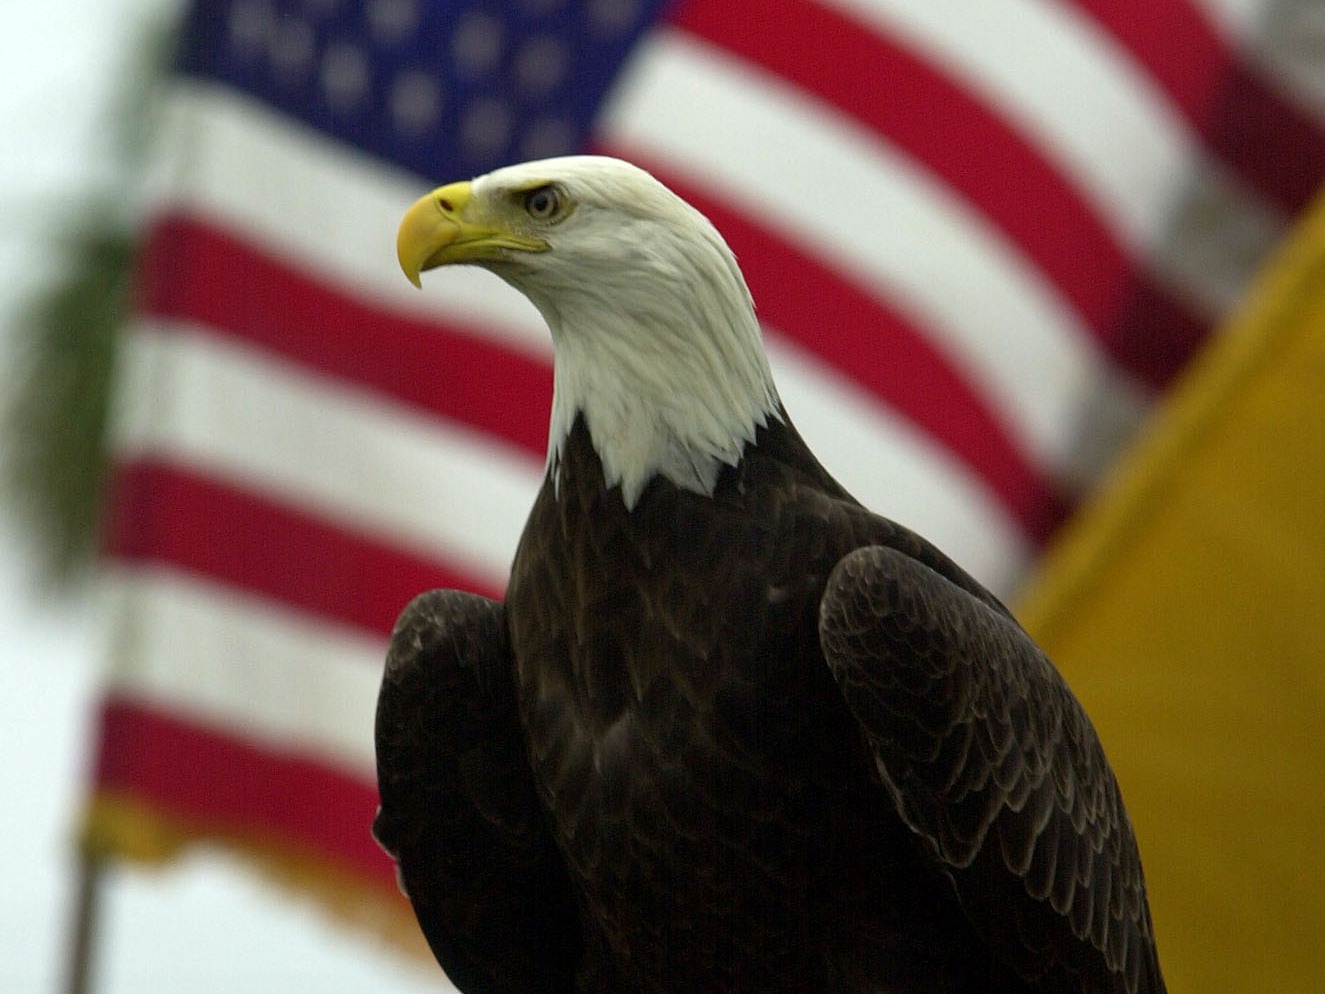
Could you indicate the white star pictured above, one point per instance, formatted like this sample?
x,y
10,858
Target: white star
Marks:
x,y
612,17
485,128
476,44
416,101
540,64
292,47
345,76
251,24
392,21
548,137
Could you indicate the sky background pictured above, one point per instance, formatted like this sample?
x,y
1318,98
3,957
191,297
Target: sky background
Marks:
x,y
209,924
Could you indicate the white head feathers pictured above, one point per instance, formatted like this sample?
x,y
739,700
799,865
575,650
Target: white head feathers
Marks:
x,y
654,329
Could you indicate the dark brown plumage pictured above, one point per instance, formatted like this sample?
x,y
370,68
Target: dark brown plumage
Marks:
x,y
459,811
768,762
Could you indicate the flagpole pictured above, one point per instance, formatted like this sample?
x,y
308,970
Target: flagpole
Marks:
x,y
83,927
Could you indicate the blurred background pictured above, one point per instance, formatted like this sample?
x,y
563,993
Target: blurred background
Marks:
x,y
1040,278
74,130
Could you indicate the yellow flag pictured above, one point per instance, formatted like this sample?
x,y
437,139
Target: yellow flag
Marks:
x,y
1186,606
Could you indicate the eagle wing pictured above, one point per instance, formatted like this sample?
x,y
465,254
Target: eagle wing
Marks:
x,y
459,812
992,763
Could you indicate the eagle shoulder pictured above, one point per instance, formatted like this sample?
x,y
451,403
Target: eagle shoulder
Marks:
x,y
993,764
459,812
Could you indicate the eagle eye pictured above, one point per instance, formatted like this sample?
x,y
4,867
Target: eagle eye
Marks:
x,y
542,203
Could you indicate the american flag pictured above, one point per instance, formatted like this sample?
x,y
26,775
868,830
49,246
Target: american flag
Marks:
x,y
982,237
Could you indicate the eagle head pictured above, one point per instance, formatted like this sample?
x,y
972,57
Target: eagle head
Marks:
x,y
654,330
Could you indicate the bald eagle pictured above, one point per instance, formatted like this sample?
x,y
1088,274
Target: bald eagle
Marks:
x,y
729,731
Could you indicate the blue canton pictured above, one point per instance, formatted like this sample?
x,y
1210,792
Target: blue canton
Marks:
x,y
446,88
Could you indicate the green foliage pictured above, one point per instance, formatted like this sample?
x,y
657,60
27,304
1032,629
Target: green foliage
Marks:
x,y
56,416
53,419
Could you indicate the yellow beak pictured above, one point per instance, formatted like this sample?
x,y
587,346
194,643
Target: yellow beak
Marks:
x,y
446,227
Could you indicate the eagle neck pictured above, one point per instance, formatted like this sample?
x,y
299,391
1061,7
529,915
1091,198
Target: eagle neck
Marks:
x,y
674,392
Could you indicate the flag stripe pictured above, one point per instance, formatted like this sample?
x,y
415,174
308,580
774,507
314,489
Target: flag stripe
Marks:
x,y
239,139
1269,143
1063,83
450,373
449,370
872,217
946,128
1275,146
884,354
236,537
208,403
252,667
436,367
1177,44
323,206
1091,107
234,785
1152,334
1237,19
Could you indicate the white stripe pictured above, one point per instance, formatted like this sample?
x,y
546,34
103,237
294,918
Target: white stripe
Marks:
x,y
829,185
1066,84
244,665
237,139
220,407
1287,49
1238,20
382,469
1216,242
334,212
1093,110
421,483
896,471
319,202
254,669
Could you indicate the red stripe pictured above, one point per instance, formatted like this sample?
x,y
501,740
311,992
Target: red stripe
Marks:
x,y
911,104
228,786
166,514
474,381
1271,144
1176,44
191,270
877,349
1155,336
